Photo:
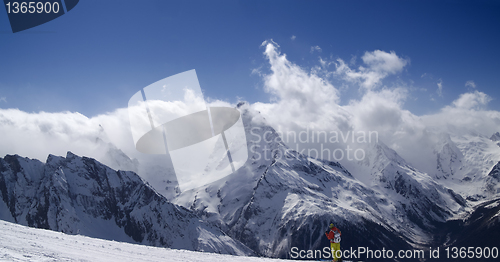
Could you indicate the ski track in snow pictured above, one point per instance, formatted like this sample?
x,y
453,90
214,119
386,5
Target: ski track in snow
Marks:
x,y
20,243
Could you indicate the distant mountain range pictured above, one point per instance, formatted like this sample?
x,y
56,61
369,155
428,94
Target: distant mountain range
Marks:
x,y
271,205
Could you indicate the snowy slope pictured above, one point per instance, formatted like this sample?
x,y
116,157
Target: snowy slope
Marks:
x,y
78,195
480,155
20,243
415,194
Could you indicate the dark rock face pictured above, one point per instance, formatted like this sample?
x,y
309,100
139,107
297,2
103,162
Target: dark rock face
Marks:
x,y
480,228
492,184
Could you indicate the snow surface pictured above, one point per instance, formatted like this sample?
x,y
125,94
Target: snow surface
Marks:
x,y
21,243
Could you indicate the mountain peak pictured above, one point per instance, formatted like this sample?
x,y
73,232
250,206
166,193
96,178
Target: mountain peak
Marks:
x,y
495,137
380,153
53,159
70,155
495,171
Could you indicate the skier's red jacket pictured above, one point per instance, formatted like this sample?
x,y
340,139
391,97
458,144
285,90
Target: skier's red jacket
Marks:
x,y
331,234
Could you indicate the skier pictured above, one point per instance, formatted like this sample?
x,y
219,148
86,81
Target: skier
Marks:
x,y
334,236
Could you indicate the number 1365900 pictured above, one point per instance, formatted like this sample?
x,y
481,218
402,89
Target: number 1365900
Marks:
x,y
32,7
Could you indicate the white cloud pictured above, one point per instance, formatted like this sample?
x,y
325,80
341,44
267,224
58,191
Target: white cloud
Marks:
x,y
304,99
468,114
293,37
377,66
316,48
38,134
296,94
300,99
379,111
439,91
381,61
3,99
475,100
470,83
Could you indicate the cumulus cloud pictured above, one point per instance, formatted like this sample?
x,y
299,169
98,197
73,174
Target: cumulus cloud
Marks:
x,y
296,94
303,99
293,37
106,137
300,99
306,101
381,61
380,111
36,135
468,114
377,66
476,100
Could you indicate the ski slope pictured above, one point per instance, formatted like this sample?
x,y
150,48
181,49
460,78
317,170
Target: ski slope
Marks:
x,y
20,243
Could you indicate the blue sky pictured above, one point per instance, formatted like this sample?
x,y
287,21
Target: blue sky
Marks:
x,y
93,59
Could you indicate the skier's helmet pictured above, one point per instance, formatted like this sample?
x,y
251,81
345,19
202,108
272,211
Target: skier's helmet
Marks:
x,y
331,225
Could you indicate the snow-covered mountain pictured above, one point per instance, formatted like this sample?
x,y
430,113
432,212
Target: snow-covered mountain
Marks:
x,y
278,200
495,137
449,158
78,195
463,163
287,199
